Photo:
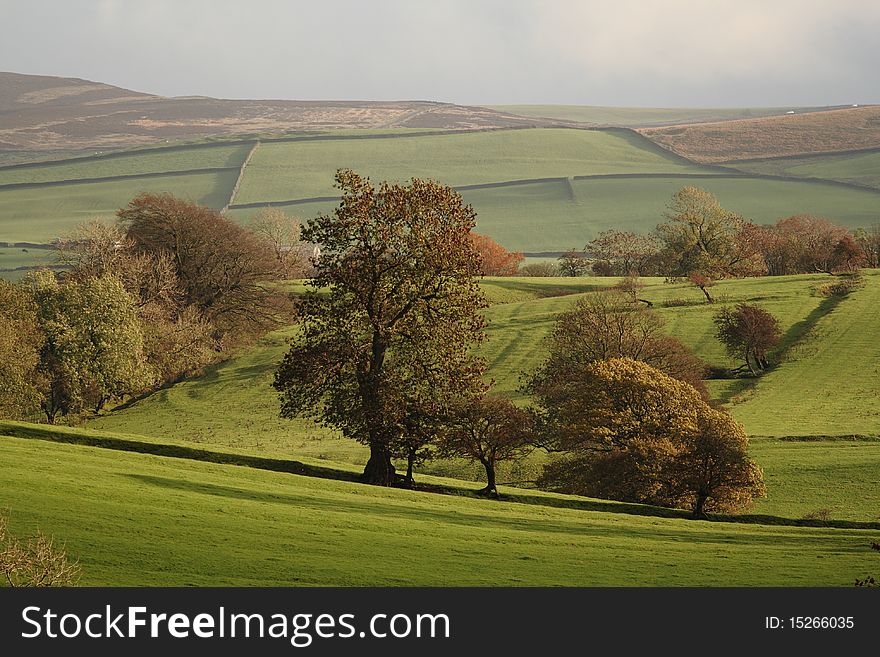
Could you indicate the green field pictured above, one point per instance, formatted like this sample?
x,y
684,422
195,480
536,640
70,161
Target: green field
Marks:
x,y
133,519
642,116
13,260
857,168
133,164
42,214
294,170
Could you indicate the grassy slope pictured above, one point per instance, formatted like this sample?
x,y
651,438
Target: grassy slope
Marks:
x,y
134,520
830,382
555,216
12,258
172,160
41,214
283,171
799,134
859,168
640,116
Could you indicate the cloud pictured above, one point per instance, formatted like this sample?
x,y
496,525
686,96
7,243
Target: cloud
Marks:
x,y
675,52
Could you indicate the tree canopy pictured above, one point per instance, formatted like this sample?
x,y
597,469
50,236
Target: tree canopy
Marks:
x,y
388,325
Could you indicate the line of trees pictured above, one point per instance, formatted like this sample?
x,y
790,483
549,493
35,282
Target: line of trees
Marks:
x,y
385,355
701,241
166,289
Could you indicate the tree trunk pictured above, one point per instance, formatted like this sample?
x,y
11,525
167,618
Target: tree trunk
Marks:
x,y
699,507
490,488
709,298
410,460
379,470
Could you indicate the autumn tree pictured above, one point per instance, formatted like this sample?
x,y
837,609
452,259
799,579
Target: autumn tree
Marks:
x,y
489,430
868,240
617,427
93,344
222,269
631,433
495,260
572,263
626,252
748,332
702,238
711,470
604,325
20,345
631,286
803,244
281,233
392,314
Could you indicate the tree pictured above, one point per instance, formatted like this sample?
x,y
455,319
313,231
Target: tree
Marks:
x,y
93,348
712,470
701,237
631,286
807,244
573,263
539,269
703,283
391,316
619,427
868,240
605,325
281,232
626,252
631,433
35,562
748,332
495,260
489,430
20,345
221,268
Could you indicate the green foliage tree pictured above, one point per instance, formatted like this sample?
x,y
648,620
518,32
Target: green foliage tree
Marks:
x,y
392,315
748,332
489,430
93,349
703,241
20,345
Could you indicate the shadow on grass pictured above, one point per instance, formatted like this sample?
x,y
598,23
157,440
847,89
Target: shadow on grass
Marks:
x,y
296,467
789,341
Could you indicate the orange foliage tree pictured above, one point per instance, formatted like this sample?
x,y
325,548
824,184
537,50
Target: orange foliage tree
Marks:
x,y
495,260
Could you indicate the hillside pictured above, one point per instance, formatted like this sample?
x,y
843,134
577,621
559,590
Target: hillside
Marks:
x,y
46,113
849,129
534,190
170,471
643,117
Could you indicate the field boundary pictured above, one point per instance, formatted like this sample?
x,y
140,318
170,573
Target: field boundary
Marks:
x,y
105,179
238,180
727,173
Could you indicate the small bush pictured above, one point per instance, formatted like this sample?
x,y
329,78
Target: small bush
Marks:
x,y
539,269
36,561
823,515
842,285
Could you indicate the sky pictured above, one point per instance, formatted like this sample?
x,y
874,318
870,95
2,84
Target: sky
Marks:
x,y
648,53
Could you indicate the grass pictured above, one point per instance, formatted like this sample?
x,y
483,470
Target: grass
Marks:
x,y
42,214
293,170
799,134
642,116
858,168
828,383
556,216
14,260
133,164
133,519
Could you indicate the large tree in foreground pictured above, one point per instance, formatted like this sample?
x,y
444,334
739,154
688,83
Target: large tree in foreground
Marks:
x,y
388,326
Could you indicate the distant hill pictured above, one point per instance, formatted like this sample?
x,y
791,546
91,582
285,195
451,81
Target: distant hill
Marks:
x,y
851,129
645,117
46,113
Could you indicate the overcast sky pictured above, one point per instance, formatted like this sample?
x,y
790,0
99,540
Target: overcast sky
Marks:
x,y
667,53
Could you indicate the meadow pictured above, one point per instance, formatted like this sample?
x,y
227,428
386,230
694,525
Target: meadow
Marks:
x,y
133,519
45,213
856,168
